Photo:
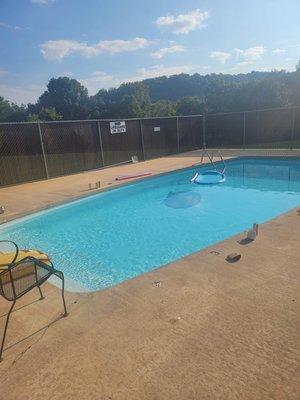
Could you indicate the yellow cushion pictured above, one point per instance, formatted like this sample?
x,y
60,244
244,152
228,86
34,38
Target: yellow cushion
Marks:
x,y
22,271
7,258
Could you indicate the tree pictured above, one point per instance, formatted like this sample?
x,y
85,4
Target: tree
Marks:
x,y
10,112
163,108
67,96
191,94
46,114
294,85
129,100
189,105
5,110
129,107
137,89
99,105
265,94
31,117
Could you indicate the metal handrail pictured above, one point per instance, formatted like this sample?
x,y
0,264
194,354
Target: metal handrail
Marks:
x,y
223,162
204,151
210,157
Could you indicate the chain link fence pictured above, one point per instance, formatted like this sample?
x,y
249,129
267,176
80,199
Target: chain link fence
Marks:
x,y
21,154
33,151
267,129
296,129
120,147
71,147
159,137
190,133
224,130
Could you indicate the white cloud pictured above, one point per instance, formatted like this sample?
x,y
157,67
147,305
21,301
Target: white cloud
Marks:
x,y
174,48
42,2
242,67
220,56
21,94
99,79
278,51
67,73
119,46
252,53
4,25
184,23
59,49
3,72
16,27
160,70
244,63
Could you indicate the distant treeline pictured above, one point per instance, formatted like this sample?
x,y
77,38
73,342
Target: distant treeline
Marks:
x,y
182,94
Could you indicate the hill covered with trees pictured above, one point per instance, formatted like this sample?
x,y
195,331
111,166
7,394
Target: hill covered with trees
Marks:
x,y
182,94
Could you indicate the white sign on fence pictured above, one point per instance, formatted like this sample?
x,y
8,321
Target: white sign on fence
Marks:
x,y
118,127
156,129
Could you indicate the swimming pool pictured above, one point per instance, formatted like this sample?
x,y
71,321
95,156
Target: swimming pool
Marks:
x,y
107,238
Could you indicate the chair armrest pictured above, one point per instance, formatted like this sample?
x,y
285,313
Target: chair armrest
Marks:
x,y
49,265
22,276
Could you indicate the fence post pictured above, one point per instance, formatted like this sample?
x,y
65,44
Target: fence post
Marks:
x,y
204,130
177,130
258,127
244,130
293,128
142,137
101,146
43,150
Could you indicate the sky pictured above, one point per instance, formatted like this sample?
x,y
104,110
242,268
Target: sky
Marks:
x,y
103,43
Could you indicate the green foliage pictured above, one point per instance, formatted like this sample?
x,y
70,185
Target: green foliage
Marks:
x,y
181,94
67,96
50,114
293,83
11,112
162,108
189,105
5,109
129,100
31,117
266,94
46,114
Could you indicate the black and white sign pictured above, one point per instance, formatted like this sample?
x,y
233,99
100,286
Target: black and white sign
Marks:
x,y
117,127
156,129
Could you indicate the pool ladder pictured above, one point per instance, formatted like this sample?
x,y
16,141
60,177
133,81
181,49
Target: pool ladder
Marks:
x,y
211,159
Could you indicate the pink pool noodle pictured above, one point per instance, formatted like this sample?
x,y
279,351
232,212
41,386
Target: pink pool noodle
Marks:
x,y
123,177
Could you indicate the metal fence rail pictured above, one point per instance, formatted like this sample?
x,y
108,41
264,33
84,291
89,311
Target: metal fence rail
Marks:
x,y
32,151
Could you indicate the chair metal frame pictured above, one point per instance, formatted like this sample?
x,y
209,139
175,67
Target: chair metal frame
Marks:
x,y
9,275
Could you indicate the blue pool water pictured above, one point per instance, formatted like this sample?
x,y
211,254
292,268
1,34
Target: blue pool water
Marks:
x,y
113,236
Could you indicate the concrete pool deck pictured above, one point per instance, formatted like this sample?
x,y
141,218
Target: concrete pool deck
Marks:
x,y
209,330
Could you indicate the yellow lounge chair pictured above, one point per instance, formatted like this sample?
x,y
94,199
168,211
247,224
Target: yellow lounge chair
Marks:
x,y
21,271
8,258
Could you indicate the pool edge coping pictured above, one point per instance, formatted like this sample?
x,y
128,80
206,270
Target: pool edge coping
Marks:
x,y
207,250
140,179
